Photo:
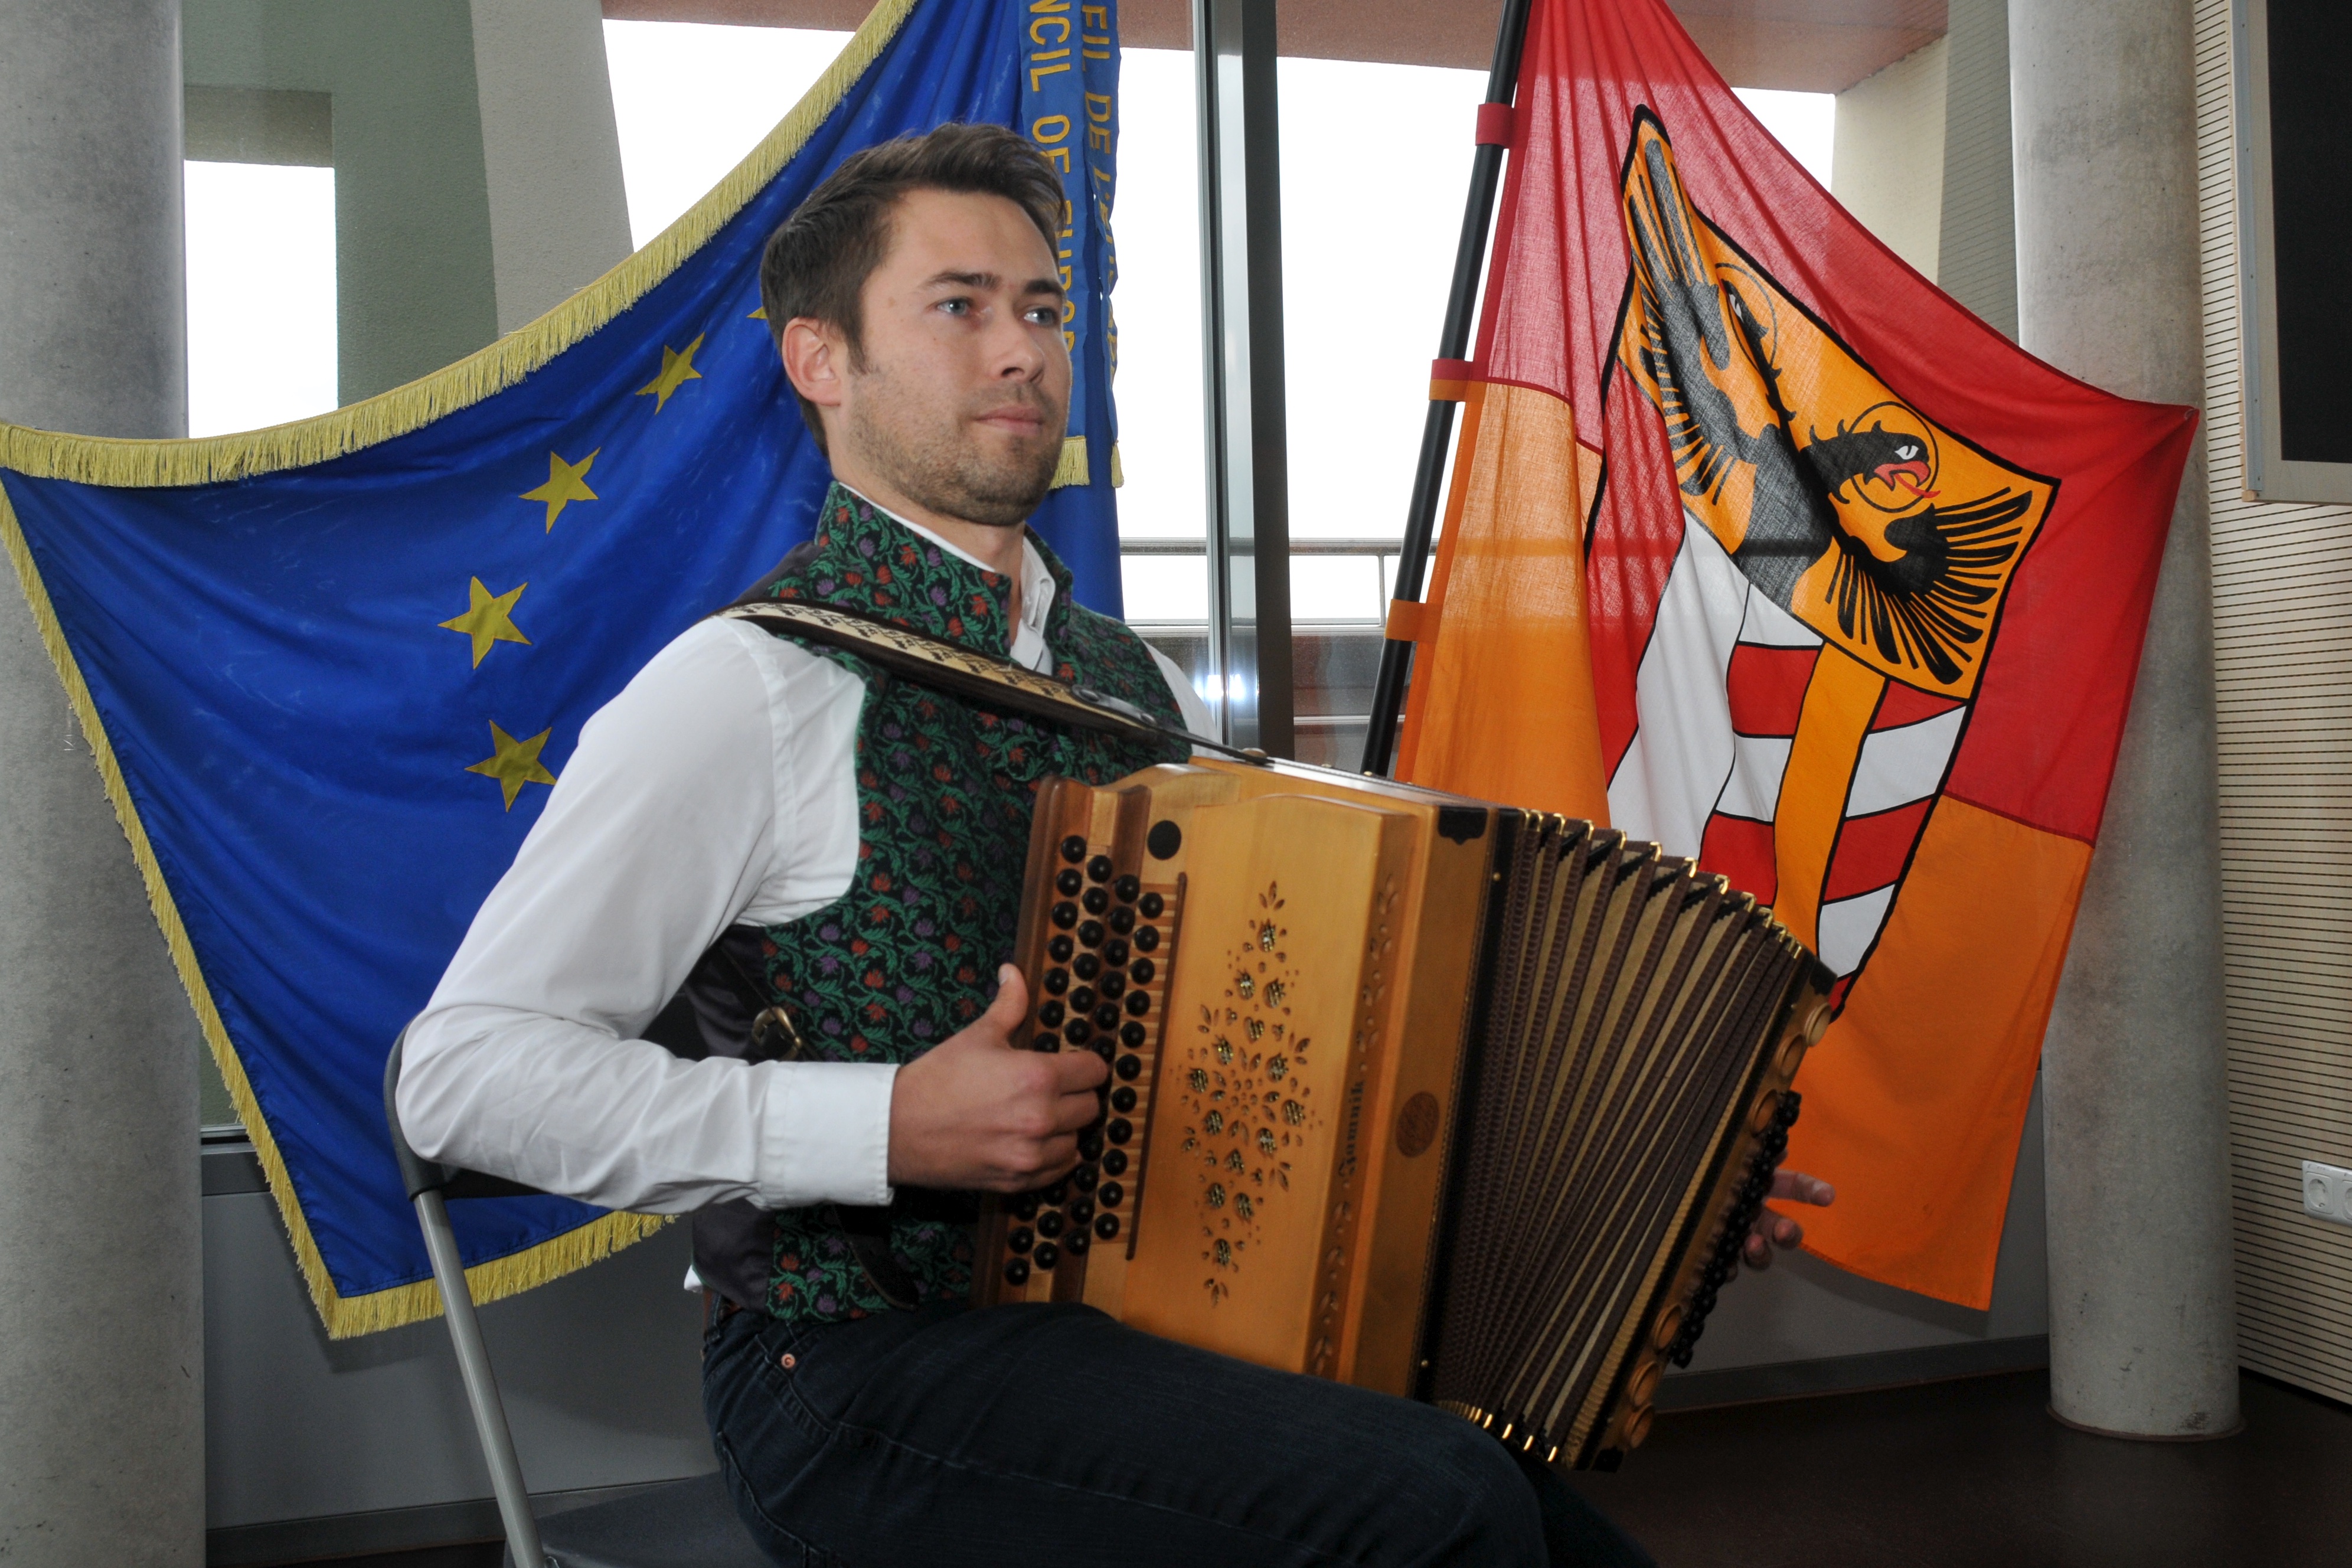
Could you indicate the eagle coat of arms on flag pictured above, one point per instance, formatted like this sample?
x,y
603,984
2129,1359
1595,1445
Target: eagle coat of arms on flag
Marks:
x,y
1758,546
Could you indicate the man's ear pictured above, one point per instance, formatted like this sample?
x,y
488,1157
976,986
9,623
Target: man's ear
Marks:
x,y
815,357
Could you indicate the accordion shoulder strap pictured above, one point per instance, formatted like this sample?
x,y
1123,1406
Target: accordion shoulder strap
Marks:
x,y
955,670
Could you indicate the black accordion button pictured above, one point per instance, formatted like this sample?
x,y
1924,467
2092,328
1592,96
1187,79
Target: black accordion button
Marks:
x,y
1083,1178
1127,888
1021,1240
1054,1194
1074,847
1057,981
1115,952
1016,1271
1060,948
1076,1242
1107,1017
1091,933
1132,1034
1141,971
1082,1211
1164,839
1106,1225
1025,1207
1122,919
1081,1001
1066,915
1138,1003
1119,1132
1090,1147
1077,1031
1110,1194
1069,882
1098,869
1146,938
1095,901
1111,985
1049,1224
1114,1163
1122,1099
1128,1068
1151,906
1047,1255
1087,965
1050,1016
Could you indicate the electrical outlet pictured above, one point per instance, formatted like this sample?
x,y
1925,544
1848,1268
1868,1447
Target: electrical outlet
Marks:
x,y
2327,1192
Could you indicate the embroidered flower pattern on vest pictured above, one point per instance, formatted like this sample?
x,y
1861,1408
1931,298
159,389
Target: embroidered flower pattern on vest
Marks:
x,y
945,789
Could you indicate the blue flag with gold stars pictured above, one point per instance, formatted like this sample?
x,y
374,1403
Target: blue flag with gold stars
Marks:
x,y
328,669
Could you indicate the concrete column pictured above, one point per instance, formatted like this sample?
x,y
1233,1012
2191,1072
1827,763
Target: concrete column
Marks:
x,y
550,152
2142,1325
102,1355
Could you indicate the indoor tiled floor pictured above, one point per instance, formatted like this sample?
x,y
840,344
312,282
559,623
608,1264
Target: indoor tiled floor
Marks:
x,y
1975,1474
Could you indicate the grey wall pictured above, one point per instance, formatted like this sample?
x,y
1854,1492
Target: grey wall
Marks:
x,y
600,1372
1978,255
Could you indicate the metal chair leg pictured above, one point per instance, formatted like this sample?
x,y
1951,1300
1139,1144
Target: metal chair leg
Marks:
x,y
481,1389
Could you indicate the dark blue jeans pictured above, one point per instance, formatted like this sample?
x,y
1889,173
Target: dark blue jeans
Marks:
x,y
1054,1434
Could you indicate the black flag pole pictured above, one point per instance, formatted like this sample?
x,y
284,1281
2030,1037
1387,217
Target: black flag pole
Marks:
x,y
1453,344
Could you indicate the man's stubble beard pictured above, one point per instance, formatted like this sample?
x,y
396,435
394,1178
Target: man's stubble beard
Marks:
x,y
942,469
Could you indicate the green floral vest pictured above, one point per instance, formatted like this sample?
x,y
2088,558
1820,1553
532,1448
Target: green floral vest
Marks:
x,y
908,955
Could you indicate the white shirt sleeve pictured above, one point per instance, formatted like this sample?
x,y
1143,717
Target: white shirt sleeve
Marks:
x,y
680,811
1188,701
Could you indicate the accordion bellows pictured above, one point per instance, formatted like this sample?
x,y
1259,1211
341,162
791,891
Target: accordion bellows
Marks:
x,y
1420,1093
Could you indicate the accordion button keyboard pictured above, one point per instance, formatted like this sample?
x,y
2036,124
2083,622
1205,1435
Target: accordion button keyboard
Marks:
x,y
1106,1226
1110,1194
1049,1224
1084,1179
1025,1207
1082,1000
1122,919
1050,1016
1122,1099
1087,966
1095,901
1060,948
1128,1067
1152,905
1098,869
1068,883
1120,1131
1016,1271
1111,985
1091,933
1114,1163
1128,888
1066,915
1056,981
1047,1255
1081,1211
1021,1240
1114,951
1053,1195
1107,1017
1076,1243
1132,1036
1077,1031
1074,847
1138,1003
1147,938
1141,971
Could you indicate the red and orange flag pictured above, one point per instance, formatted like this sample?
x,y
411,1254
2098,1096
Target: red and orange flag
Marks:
x,y
1761,547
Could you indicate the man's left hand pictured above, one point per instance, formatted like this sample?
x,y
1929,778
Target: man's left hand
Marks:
x,y
1779,1230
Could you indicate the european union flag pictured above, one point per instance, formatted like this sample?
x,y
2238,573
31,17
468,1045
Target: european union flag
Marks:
x,y
328,669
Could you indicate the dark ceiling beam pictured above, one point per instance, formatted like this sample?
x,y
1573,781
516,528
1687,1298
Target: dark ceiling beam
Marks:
x,y
1806,46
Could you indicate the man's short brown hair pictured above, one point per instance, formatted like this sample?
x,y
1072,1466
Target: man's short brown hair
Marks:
x,y
817,263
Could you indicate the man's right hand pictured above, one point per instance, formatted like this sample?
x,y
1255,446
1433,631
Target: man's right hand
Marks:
x,y
973,1113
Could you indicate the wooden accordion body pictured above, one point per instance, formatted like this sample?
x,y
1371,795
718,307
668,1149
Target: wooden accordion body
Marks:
x,y
1423,1094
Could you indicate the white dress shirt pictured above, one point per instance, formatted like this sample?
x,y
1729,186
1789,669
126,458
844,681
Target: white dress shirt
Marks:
x,y
718,789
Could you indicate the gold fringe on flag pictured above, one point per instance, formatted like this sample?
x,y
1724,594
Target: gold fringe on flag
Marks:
x,y
127,464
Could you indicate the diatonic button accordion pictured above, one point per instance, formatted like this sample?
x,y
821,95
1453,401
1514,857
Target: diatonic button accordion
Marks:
x,y
1449,1100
